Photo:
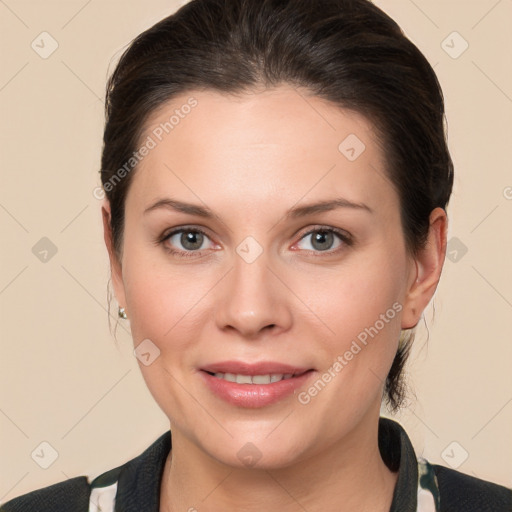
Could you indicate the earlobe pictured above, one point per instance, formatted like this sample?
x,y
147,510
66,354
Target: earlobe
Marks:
x,y
427,270
115,264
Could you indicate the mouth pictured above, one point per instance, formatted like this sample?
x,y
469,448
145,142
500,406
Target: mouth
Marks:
x,y
260,368
254,385
269,378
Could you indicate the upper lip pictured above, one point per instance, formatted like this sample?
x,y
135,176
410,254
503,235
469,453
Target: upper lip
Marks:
x,y
261,368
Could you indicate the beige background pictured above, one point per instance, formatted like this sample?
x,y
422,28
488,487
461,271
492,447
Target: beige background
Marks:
x,y
63,378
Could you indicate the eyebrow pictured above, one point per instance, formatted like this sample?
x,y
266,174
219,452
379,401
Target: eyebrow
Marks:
x,y
293,213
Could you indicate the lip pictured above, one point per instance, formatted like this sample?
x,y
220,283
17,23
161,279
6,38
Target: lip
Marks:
x,y
254,396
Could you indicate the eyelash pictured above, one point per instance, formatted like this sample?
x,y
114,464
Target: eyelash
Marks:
x,y
345,238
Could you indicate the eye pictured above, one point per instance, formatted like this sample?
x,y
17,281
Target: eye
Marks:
x,y
324,239
189,242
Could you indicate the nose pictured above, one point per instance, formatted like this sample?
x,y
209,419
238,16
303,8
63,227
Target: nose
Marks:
x,y
253,300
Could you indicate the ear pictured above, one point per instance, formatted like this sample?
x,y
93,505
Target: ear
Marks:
x,y
426,271
115,264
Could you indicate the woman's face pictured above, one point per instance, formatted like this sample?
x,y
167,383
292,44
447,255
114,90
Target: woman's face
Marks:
x,y
272,279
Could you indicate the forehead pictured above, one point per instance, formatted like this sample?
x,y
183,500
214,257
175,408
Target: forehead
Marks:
x,y
269,116
281,141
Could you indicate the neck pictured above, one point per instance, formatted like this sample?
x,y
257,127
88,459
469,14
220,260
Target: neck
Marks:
x,y
350,475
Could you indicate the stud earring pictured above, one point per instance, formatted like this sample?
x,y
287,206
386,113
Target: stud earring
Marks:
x,y
122,313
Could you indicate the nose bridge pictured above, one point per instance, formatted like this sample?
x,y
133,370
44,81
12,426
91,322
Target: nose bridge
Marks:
x,y
251,297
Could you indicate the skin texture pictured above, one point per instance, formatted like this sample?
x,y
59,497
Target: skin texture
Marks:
x,y
250,159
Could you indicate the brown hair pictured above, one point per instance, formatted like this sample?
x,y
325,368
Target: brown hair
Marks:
x,y
346,51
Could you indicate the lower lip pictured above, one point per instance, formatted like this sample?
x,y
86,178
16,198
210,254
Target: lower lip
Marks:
x,y
254,395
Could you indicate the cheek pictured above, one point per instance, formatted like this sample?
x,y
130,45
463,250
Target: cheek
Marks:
x,y
165,304
355,297
361,305
157,294
162,300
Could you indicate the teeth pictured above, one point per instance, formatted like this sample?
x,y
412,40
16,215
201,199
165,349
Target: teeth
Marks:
x,y
243,379
254,379
264,379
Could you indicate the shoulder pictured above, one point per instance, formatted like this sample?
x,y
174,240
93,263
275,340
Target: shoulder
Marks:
x,y
435,488
135,481
72,495
465,493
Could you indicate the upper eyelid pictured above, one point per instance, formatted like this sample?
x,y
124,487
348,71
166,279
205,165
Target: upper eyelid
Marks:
x,y
185,229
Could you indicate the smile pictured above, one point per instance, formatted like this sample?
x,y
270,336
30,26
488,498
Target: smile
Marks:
x,y
253,379
254,391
